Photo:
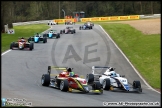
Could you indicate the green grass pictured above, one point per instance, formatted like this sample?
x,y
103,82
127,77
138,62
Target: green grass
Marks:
x,y
142,50
21,31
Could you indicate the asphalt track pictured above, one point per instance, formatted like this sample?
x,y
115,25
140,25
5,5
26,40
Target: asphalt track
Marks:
x,y
22,70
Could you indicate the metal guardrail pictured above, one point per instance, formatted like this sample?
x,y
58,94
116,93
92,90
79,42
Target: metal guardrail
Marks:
x,y
31,22
150,16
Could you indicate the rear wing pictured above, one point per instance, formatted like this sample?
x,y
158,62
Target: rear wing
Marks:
x,y
100,68
58,68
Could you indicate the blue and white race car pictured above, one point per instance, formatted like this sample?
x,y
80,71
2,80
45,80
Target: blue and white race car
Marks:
x,y
37,38
110,80
87,25
52,34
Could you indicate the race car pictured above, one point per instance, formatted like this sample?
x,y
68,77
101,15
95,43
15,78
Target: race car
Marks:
x,y
86,26
52,23
22,44
89,22
37,38
110,80
52,34
68,30
69,23
65,82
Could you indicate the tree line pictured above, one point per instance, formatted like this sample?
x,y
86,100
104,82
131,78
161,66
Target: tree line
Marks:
x,y
21,11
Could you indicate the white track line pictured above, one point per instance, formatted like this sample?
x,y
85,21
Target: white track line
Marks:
x,y
5,52
11,50
130,62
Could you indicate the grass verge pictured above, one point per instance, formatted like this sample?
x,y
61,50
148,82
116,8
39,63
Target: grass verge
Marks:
x,y
142,50
21,31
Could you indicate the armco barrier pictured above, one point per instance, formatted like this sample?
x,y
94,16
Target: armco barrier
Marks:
x,y
31,22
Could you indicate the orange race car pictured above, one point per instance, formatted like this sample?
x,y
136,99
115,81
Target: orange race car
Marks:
x,y
67,80
22,44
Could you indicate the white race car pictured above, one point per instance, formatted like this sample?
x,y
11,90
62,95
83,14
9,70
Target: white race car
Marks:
x,y
110,80
52,23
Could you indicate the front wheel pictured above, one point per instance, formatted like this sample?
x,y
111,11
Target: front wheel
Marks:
x,y
137,85
64,85
106,84
90,78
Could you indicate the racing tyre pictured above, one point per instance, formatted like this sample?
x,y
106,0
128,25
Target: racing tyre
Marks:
x,y
96,85
136,84
45,80
64,85
60,31
44,40
29,39
58,35
30,46
11,45
106,84
80,28
74,31
90,78
44,35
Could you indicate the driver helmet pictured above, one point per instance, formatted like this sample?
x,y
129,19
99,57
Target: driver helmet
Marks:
x,y
71,74
113,74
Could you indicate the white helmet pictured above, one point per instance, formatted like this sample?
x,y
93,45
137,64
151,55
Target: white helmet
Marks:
x,y
113,73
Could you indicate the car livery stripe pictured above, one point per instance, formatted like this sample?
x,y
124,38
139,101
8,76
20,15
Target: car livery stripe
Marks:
x,y
126,87
80,86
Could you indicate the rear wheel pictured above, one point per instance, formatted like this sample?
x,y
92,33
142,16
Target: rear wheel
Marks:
x,y
58,36
30,46
63,31
11,45
60,31
45,80
29,39
44,40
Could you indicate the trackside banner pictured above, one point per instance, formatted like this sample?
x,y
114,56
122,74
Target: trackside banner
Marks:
x,y
113,18
63,20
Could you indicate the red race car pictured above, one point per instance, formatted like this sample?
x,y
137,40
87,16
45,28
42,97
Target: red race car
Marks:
x,y
68,81
22,44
